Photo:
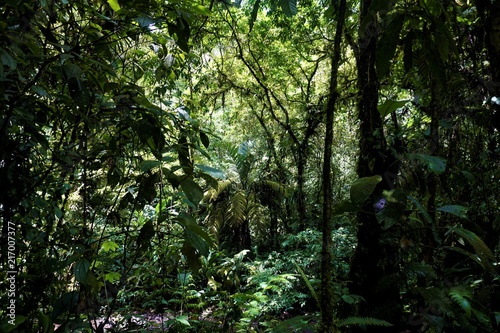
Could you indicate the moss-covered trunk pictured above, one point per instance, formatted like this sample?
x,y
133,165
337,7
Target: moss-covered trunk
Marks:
x,y
374,269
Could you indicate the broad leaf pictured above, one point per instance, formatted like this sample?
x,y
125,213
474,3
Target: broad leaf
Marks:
x,y
114,5
148,165
456,210
109,246
183,320
484,253
362,188
436,165
196,236
390,106
215,173
386,47
204,139
192,190
81,269
112,277
7,59
289,7
64,303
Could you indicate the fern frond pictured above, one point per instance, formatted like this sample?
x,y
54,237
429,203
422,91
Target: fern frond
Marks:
x,y
363,321
237,208
460,296
277,187
308,283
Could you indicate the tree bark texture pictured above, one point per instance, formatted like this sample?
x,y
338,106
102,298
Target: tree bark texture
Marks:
x,y
328,299
374,269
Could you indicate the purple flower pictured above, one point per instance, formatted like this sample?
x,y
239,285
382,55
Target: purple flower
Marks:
x,y
379,205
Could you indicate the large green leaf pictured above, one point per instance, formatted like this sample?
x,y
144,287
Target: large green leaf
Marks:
x,y
289,7
195,235
456,210
483,252
362,188
204,139
65,303
386,47
109,246
215,173
148,165
182,31
81,269
390,106
7,60
435,164
114,5
192,190
183,320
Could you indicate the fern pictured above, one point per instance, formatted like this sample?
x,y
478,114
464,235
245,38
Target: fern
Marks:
x,y
461,296
363,321
308,283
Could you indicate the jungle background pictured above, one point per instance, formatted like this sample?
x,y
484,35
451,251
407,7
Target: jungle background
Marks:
x,y
250,166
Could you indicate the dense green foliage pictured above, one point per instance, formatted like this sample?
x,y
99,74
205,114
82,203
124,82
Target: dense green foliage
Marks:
x,y
260,166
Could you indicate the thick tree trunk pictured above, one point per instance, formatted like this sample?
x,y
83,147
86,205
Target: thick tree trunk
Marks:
x,y
374,270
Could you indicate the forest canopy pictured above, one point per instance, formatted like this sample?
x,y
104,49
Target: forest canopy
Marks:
x,y
250,166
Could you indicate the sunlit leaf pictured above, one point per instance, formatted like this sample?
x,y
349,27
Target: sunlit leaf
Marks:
x,y
183,320
114,5
109,246
216,173
390,106
199,9
112,277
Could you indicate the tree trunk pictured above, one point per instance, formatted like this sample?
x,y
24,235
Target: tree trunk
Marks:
x,y
374,269
328,298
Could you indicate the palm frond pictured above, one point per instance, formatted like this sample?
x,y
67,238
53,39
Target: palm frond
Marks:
x,y
308,283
